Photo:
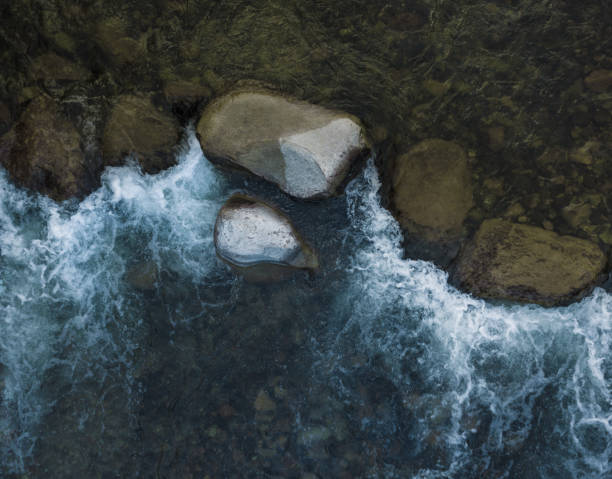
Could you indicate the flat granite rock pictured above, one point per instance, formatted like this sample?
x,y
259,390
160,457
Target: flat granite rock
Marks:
x,y
524,263
259,241
307,150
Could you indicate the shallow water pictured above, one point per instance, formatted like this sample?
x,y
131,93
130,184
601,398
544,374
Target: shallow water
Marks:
x,y
373,367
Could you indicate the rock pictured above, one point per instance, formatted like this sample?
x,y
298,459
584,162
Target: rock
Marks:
x,y
137,127
524,263
183,90
576,214
259,241
111,36
5,118
305,149
143,276
432,190
43,152
263,402
50,66
599,80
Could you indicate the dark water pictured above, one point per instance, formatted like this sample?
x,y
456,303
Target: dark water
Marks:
x,y
130,350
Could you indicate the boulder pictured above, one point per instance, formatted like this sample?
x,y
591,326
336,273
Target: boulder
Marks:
x,y
599,80
305,149
111,35
259,241
43,152
50,66
524,263
432,190
137,127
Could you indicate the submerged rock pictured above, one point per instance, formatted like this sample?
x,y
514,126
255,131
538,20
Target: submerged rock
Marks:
x,y
305,149
50,66
432,189
259,241
599,80
137,127
431,194
506,260
43,152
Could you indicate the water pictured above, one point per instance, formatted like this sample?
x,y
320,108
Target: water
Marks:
x,y
375,366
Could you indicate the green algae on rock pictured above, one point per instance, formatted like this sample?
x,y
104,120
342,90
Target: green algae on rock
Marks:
x,y
524,263
43,152
259,241
305,149
137,127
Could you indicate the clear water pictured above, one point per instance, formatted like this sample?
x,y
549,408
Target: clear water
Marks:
x,y
386,370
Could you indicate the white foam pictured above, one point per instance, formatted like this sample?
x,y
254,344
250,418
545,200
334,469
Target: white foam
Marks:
x,y
479,356
62,286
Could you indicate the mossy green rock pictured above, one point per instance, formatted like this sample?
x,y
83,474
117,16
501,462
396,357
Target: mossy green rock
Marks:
x,y
43,152
305,149
136,127
432,190
524,263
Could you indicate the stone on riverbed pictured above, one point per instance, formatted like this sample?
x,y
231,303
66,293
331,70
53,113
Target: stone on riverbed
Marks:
x,y
259,241
307,150
43,152
432,189
524,263
138,128
431,195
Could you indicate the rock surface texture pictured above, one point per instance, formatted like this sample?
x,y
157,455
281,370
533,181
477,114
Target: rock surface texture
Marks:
x,y
43,152
510,261
432,189
137,127
305,149
259,241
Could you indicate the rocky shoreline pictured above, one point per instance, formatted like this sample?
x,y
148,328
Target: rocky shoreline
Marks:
x,y
469,127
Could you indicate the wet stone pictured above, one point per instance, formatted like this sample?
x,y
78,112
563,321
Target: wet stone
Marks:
x,y
432,189
524,263
136,127
50,66
259,241
599,80
305,149
43,152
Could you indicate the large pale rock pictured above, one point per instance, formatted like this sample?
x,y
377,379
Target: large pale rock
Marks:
x,y
138,128
259,241
305,149
511,261
43,152
432,190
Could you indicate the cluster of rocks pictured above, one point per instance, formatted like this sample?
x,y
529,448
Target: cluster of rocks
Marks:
x,y
308,151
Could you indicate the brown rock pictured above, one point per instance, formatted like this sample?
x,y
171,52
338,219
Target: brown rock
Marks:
x,y
50,66
263,402
43,152
432,190
183,90
137,127
5,118
524,263
599,80
111,36
305,149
